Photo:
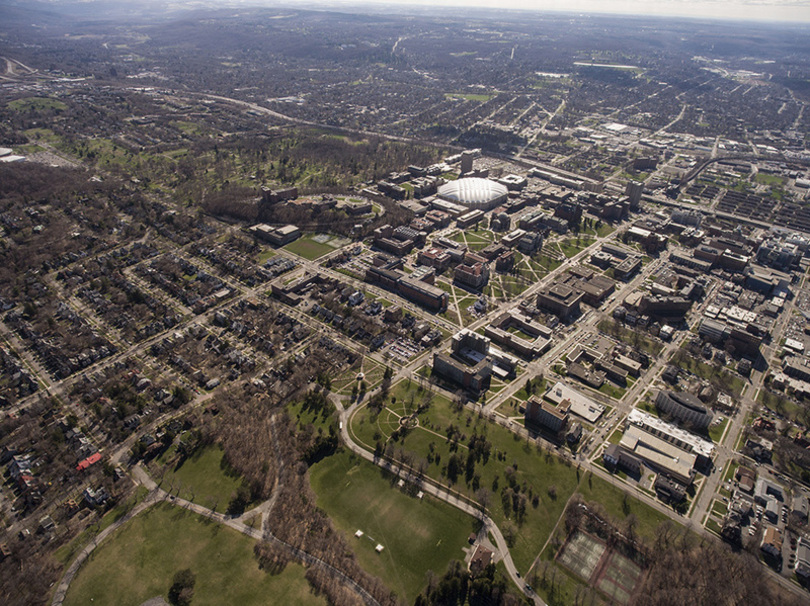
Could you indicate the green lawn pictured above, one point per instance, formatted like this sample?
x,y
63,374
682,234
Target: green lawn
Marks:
x,y
766,179
265,255
36,104
544,262
201,478
714,526
539,389
719,508
67,551
372,372
42,134
534,473
716,430
138,562
730,470
319,420
189,128
635,338
476,239
308,248
779,404
619,505
567,587
612,390
573,246
417,535
605,230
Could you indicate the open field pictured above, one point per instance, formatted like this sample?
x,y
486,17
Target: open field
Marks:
x,y
309,247
138,562
543,480
66,552
202,478
619,505
418,535
37,104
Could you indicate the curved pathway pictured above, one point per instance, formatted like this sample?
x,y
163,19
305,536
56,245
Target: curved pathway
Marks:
x,y
157,495
437,490
61,589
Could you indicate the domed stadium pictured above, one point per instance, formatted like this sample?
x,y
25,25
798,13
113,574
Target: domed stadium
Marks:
x,y
474,192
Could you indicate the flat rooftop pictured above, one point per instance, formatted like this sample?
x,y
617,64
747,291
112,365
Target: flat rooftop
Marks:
x,y
696,444
581,405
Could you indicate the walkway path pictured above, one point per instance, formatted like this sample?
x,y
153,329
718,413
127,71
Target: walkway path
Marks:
x,y
437,490
157,495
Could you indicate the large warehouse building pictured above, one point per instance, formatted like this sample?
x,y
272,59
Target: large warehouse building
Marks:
x,y
474,192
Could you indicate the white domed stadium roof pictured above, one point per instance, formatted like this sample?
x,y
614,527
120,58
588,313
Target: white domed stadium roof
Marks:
x,y
474,192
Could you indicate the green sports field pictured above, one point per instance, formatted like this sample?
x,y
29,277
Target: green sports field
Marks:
x,y
417,535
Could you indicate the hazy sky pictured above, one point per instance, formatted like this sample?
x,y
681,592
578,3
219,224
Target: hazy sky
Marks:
x,y
756,10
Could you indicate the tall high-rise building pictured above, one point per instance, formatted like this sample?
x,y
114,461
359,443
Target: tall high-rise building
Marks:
x,y
466,162
634,190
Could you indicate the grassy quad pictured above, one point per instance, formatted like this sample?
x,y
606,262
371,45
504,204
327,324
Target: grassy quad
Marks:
x,y
417,535
138,562
474,239
570,247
